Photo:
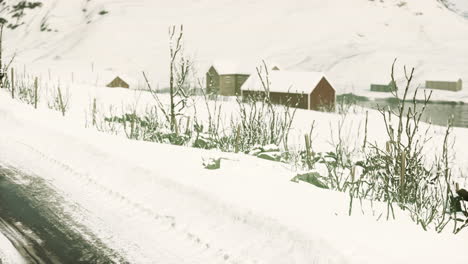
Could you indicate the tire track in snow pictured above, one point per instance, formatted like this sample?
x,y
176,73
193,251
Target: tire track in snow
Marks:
x,y
167,225
234,235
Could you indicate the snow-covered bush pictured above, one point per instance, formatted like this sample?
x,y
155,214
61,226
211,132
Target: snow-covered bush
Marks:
x,y
261,122
400,174
179,76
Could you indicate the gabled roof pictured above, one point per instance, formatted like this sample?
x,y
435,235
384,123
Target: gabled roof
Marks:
x,y
111,77
229,67
119,79
285,81
106,77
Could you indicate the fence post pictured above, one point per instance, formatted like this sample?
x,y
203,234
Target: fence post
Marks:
x,y
308,153
35,93
61,103
12,78
94,111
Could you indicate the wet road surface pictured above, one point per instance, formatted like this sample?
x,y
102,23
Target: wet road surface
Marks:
x,y
33,219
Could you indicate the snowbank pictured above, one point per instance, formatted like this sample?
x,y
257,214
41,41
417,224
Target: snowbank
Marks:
x,y
156,203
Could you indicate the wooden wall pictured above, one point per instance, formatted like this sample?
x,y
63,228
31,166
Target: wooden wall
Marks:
x,y
212,81
230,84
293,100
441,85
323,96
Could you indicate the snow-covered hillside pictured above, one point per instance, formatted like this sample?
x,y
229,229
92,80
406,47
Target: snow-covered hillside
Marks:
x,y
353,41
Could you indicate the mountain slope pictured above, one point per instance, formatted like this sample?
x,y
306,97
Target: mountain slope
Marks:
x,y
354,41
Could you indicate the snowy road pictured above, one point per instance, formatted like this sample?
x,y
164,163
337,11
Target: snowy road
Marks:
x,y
35,224
175,223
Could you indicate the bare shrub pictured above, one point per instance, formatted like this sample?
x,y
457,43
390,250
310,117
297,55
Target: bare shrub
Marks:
x,y
180,68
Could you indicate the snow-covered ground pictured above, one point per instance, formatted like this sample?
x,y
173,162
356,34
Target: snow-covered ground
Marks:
x,y
156,203
326,125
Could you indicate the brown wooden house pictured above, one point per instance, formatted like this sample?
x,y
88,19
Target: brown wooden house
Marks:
x,y
225,79
118,82
306,90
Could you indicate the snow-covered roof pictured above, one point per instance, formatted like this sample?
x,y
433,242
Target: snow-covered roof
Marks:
x,y
285,81
230,67
440,79
443,76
